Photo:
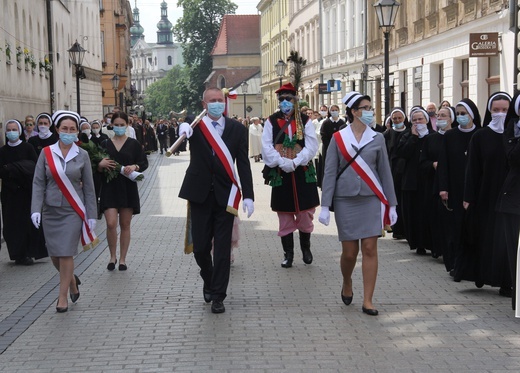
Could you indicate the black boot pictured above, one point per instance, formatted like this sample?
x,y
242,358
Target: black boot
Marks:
x,y
305,244
288,249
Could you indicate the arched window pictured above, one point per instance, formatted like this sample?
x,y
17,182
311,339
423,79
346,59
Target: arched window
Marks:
x,y
169,60
221,83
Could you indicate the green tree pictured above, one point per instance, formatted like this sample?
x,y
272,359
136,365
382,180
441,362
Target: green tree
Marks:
x,y
198,29
166,94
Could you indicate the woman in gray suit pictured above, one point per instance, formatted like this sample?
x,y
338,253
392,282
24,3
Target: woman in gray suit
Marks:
x,y
64,201
359,181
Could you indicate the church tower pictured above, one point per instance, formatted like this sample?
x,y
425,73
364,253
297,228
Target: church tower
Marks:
x,y
136,31
164,33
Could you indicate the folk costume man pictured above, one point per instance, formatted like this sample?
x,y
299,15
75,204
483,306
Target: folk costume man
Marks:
x,y
288,148
212,189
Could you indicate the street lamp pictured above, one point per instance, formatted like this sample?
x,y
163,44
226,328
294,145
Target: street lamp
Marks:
x,y
244,86
115,85
386,11
280,70
76,55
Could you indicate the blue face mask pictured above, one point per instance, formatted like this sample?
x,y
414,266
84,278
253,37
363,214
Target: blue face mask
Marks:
x,y
13,136
367,117
441,124
398,125
463,120
119,131
68,138
286,106
216,109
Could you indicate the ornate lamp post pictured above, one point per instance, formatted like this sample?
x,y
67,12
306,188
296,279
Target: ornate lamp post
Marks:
x,y
115,85
386,11
76,55
244,86
280,70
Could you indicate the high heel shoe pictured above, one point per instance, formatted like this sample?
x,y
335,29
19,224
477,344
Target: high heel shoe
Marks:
x,y
61,309
74,297
111,266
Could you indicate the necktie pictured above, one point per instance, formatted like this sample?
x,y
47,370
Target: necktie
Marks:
x,y
215,124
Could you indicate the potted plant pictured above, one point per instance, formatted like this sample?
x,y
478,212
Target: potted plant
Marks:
x,y
8,53
19,53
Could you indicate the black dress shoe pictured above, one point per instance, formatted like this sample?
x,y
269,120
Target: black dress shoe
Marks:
x,y
218,307
122,267
207,295
61,309
421,251
370,311
346,300
287,263
111,266
74,297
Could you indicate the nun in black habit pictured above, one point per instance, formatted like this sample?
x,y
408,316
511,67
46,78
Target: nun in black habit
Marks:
x,y
451,169
484,258
413,184
508,206
436,214
47,134
17,164
399,124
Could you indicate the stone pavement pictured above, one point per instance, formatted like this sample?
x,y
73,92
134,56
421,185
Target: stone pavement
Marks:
x,y
152,318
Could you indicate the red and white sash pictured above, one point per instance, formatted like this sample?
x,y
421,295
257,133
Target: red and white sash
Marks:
x,y
222,152
365,172
88,237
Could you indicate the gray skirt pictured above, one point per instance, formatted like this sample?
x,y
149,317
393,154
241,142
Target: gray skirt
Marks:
x,y
62,230
357,217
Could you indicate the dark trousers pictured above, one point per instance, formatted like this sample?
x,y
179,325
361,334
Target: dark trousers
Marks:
x,y
162,143
212,222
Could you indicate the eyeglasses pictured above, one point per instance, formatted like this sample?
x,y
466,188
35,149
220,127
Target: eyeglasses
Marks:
x,y
286,98
366,108
445,203
29,124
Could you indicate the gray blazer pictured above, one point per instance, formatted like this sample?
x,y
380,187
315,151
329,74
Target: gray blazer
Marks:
x,y
350,183
78,170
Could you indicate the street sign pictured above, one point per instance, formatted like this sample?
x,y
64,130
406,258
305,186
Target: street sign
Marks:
x,y
323,89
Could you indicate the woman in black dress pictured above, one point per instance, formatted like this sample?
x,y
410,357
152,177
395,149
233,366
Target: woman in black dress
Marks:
x,y
120,196
17,163
46,133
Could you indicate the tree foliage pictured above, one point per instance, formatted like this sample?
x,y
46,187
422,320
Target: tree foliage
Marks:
x,y
198,29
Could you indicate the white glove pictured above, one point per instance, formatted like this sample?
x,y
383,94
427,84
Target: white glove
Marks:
x,y
36,218
393,215
185,129
247,204
92,224
324,217
287,166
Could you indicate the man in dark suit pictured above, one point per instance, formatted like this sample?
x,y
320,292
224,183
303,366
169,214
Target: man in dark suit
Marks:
x,y
216,144
162,133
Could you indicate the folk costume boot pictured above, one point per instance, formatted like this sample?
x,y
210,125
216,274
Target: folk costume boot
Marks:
x,y
288,249
305,245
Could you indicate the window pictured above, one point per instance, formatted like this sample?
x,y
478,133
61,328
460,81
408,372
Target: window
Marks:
x,y
169,60
221,82
440,84
103,46
493,79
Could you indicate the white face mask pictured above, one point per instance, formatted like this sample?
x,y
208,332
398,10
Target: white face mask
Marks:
x,y
96,131
497,122
323,113
86,132
334,114
44,130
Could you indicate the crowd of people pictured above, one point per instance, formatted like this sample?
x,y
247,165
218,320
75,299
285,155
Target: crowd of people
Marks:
x,y
442,178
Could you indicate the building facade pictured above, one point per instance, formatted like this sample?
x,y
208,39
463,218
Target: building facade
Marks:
x,y
116,20
274,39
37,75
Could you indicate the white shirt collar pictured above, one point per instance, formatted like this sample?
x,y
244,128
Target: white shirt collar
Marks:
x,y
14,144
73,152
368,136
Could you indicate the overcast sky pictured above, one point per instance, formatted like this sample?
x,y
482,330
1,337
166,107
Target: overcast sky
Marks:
x,y
150,14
